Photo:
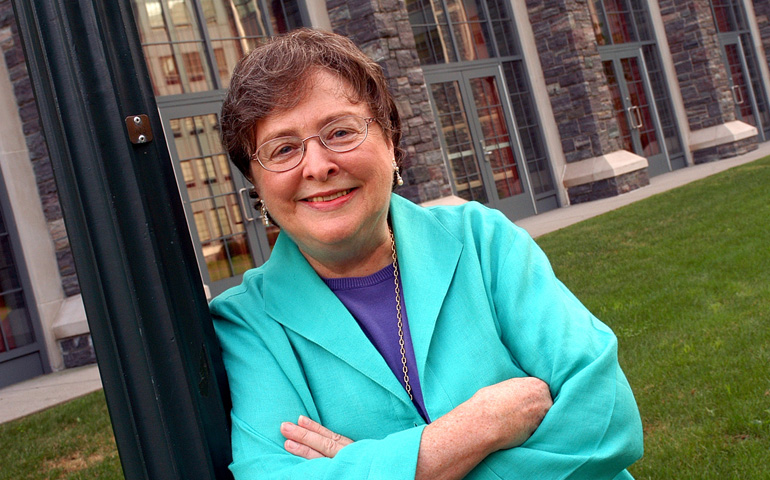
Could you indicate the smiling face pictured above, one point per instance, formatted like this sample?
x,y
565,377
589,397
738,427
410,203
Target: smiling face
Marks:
x,y
333,205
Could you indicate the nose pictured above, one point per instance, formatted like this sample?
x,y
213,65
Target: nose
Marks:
x,y
319,162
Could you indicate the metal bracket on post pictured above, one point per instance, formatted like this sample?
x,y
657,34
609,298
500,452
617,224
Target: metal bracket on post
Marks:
x,y
139,130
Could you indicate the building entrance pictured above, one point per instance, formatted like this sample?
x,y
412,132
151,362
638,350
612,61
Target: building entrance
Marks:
x,y
740,59
747,93
637,116
479,137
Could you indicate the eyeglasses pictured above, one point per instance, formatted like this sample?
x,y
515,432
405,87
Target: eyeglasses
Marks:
x,y
340,135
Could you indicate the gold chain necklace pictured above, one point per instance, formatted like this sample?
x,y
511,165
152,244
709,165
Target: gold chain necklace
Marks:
x,y
398,315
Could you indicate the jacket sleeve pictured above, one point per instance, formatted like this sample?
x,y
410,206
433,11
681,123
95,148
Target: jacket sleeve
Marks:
x,y
267,387
593,430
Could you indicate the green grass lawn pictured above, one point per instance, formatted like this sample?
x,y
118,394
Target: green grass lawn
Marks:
x,y
684,280
72,441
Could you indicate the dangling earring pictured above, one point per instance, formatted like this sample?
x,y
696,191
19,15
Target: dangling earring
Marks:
x,y
263,214
397,171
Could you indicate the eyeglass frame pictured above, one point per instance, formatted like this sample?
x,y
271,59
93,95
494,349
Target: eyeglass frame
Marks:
x,y
367,122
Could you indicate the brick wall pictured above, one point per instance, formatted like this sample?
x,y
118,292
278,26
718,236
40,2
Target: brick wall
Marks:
x,y
13,54
574,77
381,28
701,72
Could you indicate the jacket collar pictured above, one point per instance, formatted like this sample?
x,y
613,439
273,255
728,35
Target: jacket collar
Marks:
x,y
314,312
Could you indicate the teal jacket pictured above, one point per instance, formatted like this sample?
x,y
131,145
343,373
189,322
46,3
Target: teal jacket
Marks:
x,y
483,305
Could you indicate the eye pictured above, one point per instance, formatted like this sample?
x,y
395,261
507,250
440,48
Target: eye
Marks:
x,y
343,131
282,149
339,133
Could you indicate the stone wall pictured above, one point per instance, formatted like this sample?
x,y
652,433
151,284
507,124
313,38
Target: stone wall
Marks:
x,y
10,45
381,29
574,77
727,150
609,187
702,75
77,351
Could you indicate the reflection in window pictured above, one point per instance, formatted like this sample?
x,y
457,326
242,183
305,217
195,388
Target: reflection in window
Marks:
x,y
154,14
620,21
170,73
496,141
179,14
193,66
456,30
212,196
175,43
456,133
527,123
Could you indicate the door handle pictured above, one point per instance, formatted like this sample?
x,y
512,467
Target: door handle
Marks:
x,y
737,94
635,117
243,205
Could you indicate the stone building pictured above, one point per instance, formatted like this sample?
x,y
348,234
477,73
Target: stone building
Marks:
x,y
524,105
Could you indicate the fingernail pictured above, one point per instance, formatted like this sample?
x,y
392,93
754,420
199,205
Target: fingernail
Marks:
x,y
290,445
302,419
287,426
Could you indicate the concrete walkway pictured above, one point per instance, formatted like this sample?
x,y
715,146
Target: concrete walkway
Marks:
x,y
39,393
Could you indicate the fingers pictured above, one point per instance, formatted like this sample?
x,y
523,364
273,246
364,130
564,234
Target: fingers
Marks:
x,y
309,439
323,431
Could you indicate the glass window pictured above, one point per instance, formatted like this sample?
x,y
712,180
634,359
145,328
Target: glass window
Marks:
x,y
729,16
461,30
460,150
620,21
184,55
213,196
15,323
528,127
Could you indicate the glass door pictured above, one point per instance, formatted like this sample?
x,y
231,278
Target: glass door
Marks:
x,y
228,235
636,114
478,135
749,107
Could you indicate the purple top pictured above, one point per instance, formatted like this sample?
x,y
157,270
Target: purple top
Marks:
x,y
372,302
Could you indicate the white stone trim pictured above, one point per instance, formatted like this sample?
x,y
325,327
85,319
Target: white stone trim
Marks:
x,y
602,167
720,134
71,320
319,15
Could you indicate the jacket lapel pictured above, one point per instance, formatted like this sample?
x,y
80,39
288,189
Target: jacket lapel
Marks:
x,y
428,255
299,300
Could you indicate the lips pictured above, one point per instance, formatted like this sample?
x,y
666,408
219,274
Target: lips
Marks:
x,y
328,198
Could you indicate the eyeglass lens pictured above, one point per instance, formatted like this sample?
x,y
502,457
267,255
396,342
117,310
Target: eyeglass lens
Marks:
x,y
340,135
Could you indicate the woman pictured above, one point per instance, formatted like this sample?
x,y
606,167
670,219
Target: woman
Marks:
x,y
387,341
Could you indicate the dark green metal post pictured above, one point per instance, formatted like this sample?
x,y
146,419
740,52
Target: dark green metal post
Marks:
x,y
147,312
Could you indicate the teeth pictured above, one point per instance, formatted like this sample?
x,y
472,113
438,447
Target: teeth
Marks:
x,y
328,198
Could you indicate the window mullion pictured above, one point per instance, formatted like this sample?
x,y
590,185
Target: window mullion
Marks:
x,y
208,49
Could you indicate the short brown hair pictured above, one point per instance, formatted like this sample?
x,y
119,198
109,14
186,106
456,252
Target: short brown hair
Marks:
x,y
270,78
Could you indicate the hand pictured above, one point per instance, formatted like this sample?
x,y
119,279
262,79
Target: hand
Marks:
x,y
512,410
309,439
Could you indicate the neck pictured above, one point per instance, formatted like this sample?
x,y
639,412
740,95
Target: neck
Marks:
x,y
362,262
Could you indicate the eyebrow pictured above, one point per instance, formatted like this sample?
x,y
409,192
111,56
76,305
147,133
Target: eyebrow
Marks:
x,y
321,122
